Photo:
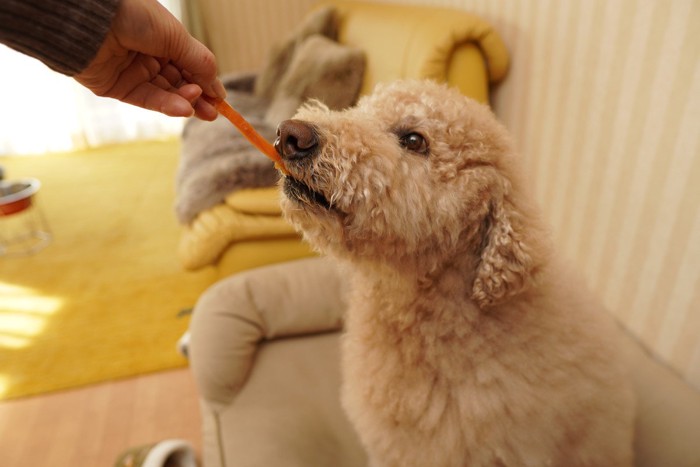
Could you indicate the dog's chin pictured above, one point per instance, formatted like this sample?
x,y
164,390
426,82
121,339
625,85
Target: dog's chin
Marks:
x,y
304,195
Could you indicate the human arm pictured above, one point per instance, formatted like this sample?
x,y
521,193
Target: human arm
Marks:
x,y
131,50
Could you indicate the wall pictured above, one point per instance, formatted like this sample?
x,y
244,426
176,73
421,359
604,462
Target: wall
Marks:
x,y
604,101
240,32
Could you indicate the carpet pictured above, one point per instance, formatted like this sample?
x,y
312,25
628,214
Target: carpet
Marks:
x,y
104,299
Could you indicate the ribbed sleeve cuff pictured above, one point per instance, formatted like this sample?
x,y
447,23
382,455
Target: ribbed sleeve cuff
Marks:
x,y
64,34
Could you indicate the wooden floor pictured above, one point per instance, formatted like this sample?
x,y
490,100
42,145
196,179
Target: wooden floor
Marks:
x,y
91,426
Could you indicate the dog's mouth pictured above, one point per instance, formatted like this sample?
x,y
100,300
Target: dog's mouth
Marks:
x,y
300,192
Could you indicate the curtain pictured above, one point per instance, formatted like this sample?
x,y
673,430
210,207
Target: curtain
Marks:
x,y
44,111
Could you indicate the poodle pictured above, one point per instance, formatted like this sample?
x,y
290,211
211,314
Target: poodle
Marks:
x,y
467,342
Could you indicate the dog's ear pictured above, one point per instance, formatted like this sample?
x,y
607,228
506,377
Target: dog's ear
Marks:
x,y
506,264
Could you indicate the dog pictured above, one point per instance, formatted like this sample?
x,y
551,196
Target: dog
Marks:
x,y
467,341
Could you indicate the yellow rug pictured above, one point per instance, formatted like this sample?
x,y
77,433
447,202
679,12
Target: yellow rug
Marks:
x,y
102,300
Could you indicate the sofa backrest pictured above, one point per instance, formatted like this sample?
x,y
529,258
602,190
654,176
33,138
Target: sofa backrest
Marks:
x,y
407,41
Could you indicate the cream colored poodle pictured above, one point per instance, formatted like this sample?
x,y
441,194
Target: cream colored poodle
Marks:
x,y
467,343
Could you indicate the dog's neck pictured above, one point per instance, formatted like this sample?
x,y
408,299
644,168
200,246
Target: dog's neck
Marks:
x,y
413,290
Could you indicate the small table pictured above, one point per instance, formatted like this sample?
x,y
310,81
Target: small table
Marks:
x,y
23,227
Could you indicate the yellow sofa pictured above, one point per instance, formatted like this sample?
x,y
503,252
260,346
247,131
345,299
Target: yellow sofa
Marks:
x,y
247,230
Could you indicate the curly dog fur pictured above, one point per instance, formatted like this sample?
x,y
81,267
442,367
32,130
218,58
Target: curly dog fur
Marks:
x,y
467,342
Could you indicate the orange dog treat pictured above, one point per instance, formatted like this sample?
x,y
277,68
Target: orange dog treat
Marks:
x,y
247,130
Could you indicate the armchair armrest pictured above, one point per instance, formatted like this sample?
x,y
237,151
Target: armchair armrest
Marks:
x,y
236,314
668,410
247,214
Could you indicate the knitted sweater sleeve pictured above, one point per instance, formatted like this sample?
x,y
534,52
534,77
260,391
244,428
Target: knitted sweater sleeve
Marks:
x,y
64,34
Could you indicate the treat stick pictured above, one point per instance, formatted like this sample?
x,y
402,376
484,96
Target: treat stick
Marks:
x,y
247,130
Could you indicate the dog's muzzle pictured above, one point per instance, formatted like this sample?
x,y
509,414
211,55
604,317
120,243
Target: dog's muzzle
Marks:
x,y
302,193
297,142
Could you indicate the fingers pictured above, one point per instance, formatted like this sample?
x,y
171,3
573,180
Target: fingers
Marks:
x,y
152,97
168,82
205,111
217,87
192,93
171,73
171,78
159,95
202,109
158,85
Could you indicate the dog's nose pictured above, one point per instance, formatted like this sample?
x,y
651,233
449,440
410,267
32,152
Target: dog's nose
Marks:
x,y
296,140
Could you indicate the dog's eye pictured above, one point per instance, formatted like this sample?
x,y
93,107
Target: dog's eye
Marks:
x,y
414,142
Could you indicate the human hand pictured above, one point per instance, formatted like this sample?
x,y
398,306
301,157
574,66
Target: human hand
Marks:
x,y
149,59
